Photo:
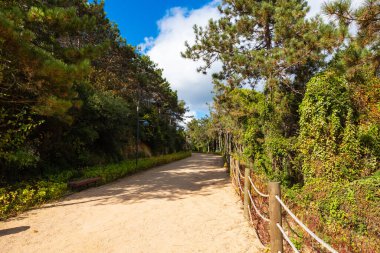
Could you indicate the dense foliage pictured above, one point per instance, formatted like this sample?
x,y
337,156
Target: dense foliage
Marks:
x,y
69,89
315,126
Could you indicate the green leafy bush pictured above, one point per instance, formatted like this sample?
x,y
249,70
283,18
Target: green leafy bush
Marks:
x,y
26,195
350,210
332,143
23,196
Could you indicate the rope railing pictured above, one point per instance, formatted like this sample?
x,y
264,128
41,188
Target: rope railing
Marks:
x,y
238,179
235,176
323,243
277,246
257,190
250,215
256,209
241,189
240,173
238,186
287,238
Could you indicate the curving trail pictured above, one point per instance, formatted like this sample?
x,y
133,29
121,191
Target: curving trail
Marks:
x,y
185,206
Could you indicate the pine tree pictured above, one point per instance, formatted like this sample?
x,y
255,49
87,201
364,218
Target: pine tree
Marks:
x,y
270,42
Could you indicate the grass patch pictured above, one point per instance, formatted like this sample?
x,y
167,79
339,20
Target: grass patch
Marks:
x,y
25,195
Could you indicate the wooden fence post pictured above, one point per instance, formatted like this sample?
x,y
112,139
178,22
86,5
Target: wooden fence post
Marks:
x,y
275,217
247,189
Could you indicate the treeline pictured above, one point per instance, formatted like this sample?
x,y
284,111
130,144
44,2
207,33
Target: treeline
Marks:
x,y
70,86
316,125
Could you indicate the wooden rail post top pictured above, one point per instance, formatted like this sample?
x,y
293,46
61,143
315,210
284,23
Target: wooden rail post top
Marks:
x,y
276,240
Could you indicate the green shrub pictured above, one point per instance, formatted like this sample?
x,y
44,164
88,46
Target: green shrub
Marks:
x,y
346,213
332,143
23,196
26,195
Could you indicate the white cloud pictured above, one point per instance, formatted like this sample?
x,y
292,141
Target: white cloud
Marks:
x,y
174,29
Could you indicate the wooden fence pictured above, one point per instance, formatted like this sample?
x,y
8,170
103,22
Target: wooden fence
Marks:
x,y
245,186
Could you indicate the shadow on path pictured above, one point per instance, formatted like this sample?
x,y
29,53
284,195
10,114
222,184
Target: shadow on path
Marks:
x,y
173,181
15,230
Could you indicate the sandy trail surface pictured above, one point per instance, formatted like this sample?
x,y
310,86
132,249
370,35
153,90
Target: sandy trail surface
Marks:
x,y
185,206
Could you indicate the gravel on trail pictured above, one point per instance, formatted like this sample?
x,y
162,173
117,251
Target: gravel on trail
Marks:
x,y
184,206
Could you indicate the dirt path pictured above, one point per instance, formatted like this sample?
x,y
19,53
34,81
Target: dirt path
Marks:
x,y
185,206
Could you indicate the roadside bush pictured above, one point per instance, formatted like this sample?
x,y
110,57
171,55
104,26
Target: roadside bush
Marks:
x,y
111,172
23,196
333,144
346,214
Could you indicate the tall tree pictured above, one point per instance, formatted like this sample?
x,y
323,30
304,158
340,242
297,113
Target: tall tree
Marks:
x,y
69,89
269,42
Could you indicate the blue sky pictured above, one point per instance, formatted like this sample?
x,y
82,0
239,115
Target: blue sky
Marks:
x,y
138,19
